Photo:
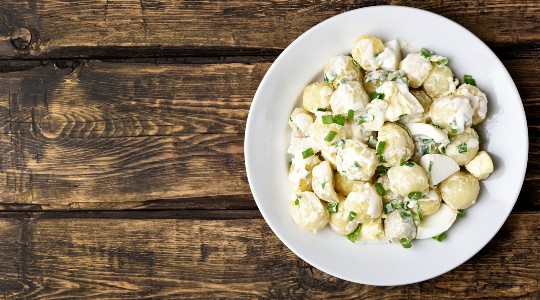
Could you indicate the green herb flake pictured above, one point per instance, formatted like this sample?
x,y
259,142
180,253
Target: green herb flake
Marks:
x,y
440,237
380,189
381,170
356,64
307,153
388,208
328,119
356,164
436,126
380,147
352,215
454,130
322,109
330,136
297,201
401,161
376,95
430,166
350,115
338,119
462,148
460,214
382,159
442,62
353,236
443,150
416,195
405,214
425,53
468,79
326,78
323,184
405,242
403,116
409,164
332,208
290,163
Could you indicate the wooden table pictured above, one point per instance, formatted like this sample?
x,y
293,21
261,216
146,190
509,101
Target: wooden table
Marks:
x,y
121,151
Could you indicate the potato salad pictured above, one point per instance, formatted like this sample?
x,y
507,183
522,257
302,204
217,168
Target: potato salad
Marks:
x,y
384,147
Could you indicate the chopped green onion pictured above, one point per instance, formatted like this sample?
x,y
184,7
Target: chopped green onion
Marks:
x,y
426,141
380,189
381,170
416,195
462,148
442,62
430,166
460,214
339,144
365,118
290,163
468,79
405,242
440,237
322,109
380,147
425,53
353,236
330,136
401,161
388,208
376,95
352,215
436,126
297,201
405,214
409,164
356,164
402,116
338,119
382,159
307,153
454,130
328,119
332,208
424,150
326,78
323,184
443,150
350,114
356,64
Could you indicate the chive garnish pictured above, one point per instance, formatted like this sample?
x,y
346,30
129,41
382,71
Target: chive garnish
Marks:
x,y
381,170
468,79
307,153
352,215
322,109
338,119
353,236
405,242
350,115
330,136
297,201
425,53
460,214
440,237
376,95
416,195
380,189
380,147
462,148
328,119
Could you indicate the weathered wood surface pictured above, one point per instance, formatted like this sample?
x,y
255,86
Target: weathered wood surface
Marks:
x,y
49,256
111,135
106,28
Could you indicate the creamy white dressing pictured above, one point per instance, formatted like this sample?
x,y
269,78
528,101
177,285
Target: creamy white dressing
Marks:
x,y
350,160
325,92
400,100
463,113
377,109
349,95
370,194
299,144
310,207
300,171
416,67
303,122
386,60
478,101
338,66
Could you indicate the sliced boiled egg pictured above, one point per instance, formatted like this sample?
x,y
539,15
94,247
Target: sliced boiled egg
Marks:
x,y
422,129
436,223
438,166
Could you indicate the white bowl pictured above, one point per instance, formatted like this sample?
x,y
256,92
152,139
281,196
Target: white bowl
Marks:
x,y
267,137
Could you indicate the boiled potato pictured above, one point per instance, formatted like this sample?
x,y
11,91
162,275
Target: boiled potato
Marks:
x,y
309,212
356,160
477,99
460,190
439,82
320,132
300,122
420,117
400,101
323,182
317,95
416,69
398,145
464,147
453,113
363,205
397,227
372,231
340,223
373,79
423,146
341,69
364,51
430,203
407,179
375,115
344,185
349,96
481,166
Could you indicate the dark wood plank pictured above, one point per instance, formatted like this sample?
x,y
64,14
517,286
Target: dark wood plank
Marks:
x,y
78,134
123,28
59,256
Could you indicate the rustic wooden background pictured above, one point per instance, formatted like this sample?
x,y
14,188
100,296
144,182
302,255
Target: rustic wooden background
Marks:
x,y
121,151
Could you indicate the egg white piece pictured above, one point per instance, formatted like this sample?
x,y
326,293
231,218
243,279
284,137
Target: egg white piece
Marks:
x,y
436,223
422,129
442,167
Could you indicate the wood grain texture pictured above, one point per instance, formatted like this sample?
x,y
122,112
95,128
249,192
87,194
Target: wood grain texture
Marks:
x,y
58,257
123,28
78,134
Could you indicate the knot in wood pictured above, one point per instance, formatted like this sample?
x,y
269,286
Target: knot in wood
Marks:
x,y
21,38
